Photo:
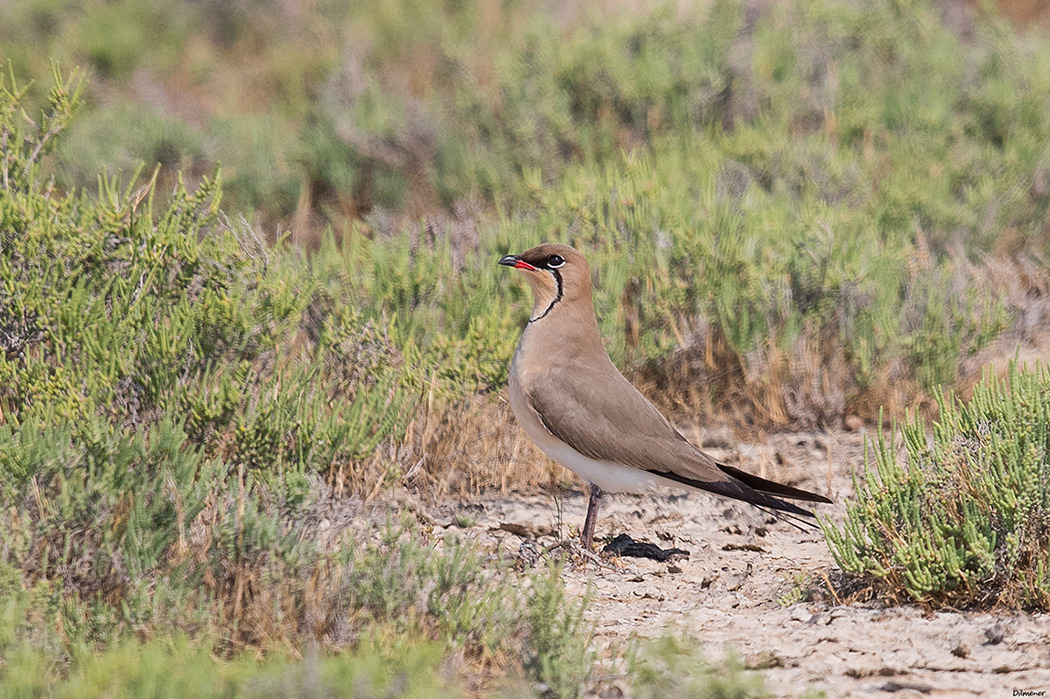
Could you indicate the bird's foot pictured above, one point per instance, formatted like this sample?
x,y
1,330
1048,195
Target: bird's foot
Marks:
x,y
577,552
624,545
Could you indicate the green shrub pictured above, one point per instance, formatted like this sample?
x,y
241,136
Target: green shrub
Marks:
x,y
965,519
169,395
125,137
413,107
385,602
121,311
178,668
444,590
558,653
171,390
670,667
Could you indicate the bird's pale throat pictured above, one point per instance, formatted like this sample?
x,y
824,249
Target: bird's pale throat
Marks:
x,y
556,299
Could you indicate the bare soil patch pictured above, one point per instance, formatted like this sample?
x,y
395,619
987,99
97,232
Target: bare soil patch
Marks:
x,y
735,591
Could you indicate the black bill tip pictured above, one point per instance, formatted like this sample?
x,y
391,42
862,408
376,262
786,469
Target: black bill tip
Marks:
x,y
515,262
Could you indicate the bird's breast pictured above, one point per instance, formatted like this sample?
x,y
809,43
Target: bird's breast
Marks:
x,y
520,404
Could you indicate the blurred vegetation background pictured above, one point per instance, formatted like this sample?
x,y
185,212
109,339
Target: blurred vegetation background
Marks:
x,y
798,214
326,113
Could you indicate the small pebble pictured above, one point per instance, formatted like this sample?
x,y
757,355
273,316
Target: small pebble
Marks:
x,y
995,635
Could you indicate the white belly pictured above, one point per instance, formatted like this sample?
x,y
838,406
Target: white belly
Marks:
x,y
610,476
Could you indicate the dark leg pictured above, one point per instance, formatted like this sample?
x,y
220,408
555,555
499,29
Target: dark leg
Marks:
x,y
587,534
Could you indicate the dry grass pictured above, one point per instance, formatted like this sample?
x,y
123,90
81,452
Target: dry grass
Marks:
x,y
475,446
1023,284
811,384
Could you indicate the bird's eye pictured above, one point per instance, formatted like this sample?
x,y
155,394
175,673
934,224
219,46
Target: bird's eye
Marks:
x,y
555,261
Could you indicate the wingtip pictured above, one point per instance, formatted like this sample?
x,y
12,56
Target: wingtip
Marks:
x,y
769,487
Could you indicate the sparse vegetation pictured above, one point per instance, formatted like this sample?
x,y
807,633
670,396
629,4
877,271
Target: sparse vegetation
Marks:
x,y
964,519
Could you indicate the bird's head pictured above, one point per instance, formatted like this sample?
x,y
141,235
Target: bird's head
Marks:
x,y
556,273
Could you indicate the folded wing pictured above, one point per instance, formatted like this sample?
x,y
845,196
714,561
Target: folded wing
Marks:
x,y
597,412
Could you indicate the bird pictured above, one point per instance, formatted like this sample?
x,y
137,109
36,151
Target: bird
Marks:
x,y
578,409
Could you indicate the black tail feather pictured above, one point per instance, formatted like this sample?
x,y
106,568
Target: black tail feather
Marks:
x,y
740,490
771,487
803,525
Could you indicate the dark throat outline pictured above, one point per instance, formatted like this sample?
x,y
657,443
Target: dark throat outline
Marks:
x,y
557,298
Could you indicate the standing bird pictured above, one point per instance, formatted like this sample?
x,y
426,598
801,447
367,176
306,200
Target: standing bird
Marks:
x,y
574,404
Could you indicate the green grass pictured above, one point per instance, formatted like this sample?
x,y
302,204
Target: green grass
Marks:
x,y
177,668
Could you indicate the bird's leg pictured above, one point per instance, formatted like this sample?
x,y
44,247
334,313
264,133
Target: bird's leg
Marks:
x,y
587,534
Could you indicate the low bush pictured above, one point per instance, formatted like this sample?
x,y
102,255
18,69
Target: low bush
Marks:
x,y
114,310
964,518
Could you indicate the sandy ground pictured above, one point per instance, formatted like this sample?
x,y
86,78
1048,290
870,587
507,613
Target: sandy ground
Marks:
x,y
728,594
